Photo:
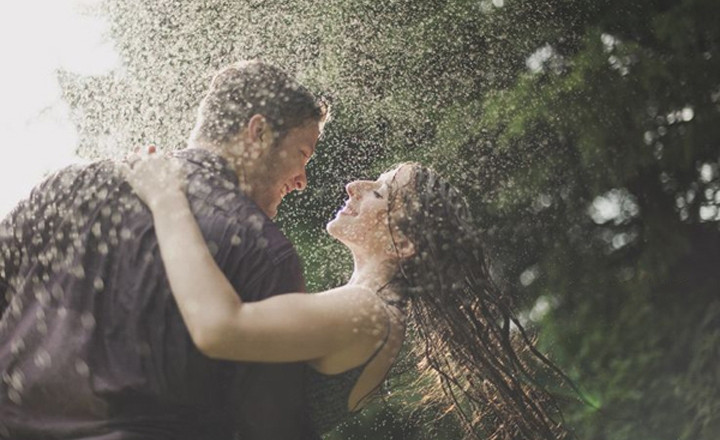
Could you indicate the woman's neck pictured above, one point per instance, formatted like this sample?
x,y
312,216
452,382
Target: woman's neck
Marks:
x,y
374,273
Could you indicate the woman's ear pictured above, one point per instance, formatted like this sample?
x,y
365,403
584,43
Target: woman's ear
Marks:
x,y
406,248
402,247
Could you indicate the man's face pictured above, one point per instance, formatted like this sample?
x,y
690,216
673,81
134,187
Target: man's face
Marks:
x,y
281,168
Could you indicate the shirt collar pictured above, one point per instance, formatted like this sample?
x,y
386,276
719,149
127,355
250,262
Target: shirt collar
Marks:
x,y
207,159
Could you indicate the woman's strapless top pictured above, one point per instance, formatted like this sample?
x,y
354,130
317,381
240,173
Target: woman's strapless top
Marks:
x,y
327,395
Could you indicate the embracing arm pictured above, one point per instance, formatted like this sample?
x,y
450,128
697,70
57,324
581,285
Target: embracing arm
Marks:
x,y
284,328
9,258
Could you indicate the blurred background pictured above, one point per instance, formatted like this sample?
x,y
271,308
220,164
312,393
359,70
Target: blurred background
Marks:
x,y
584,133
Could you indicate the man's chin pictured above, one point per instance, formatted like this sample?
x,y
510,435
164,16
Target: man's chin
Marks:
x,y
269,209
272,211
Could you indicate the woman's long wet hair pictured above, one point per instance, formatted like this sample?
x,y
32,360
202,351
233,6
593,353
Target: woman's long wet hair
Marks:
x,y
469,339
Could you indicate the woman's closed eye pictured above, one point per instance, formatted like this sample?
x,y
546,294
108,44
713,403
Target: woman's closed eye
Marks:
x,y
377,194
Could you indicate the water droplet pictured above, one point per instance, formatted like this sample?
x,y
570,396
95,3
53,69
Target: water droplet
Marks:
x,y
42,296
87,320
212,247
96,229
57,291
42,359
14,395
125,234
82,368
78,271
16,346
687,114
16,380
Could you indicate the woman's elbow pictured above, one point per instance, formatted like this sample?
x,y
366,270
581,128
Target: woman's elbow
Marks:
x,y
217,336
208,341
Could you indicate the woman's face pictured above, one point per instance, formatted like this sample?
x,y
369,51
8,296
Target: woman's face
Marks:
x,y
363,221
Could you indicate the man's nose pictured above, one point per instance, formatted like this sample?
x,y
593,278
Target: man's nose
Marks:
x,y
300,181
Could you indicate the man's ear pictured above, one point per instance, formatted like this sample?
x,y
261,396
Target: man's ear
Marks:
x,y
259,131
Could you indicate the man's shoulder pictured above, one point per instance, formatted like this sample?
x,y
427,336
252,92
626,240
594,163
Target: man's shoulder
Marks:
x,y
79,181
225,213
90,173
233,219
251,249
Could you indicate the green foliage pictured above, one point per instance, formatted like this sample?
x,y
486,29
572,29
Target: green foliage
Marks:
x,y
543,112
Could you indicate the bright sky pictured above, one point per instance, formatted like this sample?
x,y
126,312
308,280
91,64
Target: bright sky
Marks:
x,y
38,37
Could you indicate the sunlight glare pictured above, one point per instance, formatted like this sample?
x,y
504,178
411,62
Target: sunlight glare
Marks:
x,y
37,38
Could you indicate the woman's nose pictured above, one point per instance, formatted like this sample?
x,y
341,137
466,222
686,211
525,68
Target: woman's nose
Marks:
x,y
350,188
354,188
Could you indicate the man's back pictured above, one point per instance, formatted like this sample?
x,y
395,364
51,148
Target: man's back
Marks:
x,y
91,342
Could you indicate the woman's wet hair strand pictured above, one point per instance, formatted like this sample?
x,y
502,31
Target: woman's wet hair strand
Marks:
x,y
482,358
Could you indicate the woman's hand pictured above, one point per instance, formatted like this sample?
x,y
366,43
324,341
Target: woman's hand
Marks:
x,y
156,178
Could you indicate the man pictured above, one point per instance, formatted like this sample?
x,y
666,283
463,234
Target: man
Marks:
x,y
92,344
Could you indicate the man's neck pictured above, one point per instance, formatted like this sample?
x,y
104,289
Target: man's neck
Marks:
x,y
203,145
236,163
218,150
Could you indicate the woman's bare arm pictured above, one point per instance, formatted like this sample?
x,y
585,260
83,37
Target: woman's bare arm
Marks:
x,y
285,328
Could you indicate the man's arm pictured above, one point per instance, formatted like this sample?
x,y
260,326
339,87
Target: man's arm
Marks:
x,y
24,229
16,233
10,257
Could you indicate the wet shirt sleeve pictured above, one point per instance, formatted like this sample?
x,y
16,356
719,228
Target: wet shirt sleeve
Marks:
x,y
20,232
10,256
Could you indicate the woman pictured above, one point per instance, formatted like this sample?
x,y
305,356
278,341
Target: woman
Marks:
x,y
416,256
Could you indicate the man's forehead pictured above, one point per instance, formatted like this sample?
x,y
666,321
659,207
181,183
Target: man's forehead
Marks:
x,y
312,131
305,135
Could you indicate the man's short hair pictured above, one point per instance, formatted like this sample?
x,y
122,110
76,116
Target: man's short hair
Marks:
x,y
243,89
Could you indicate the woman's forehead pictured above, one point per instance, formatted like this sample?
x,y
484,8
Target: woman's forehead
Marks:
x,y
400,175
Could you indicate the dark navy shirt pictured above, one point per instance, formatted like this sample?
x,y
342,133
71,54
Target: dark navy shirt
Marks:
x,y
92,345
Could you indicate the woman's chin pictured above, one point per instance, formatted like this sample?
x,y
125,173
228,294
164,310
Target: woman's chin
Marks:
x,y
329,227
336,230
332,227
